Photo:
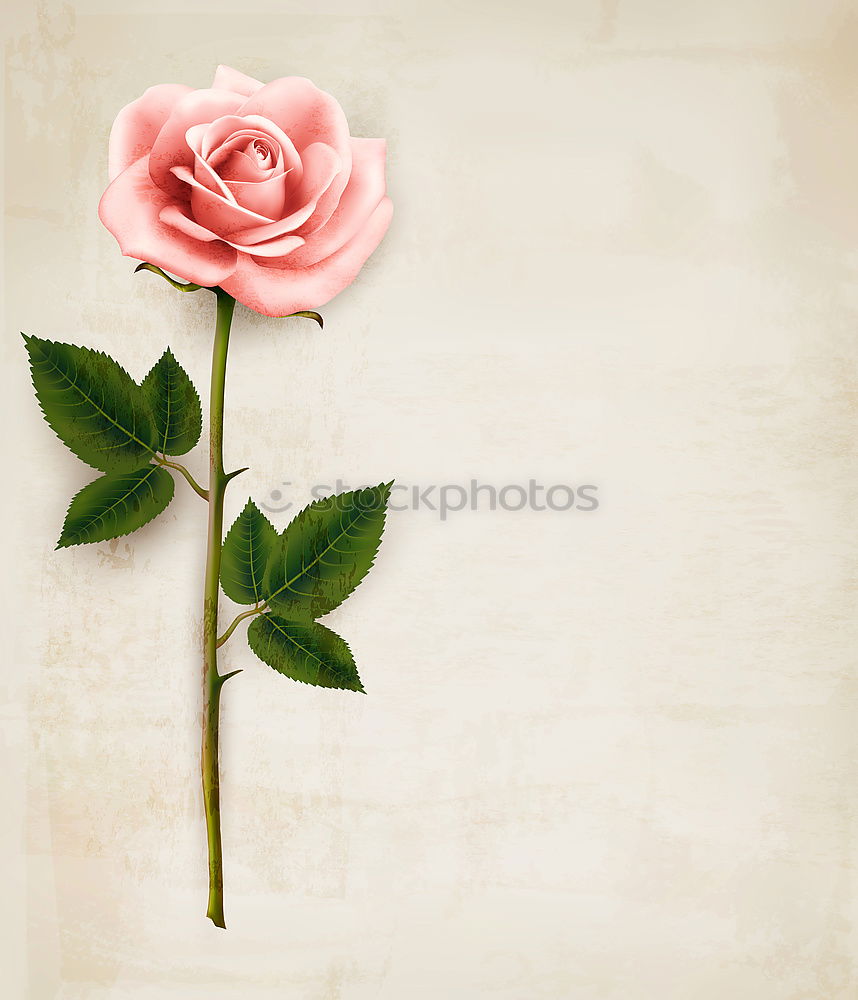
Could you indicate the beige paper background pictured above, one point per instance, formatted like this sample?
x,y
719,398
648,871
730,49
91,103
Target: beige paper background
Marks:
x,y
604,756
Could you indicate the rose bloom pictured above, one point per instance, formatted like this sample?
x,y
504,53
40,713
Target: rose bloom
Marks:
x,y
257,188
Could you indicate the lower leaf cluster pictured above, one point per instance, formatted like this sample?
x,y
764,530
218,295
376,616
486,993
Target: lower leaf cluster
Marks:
x,y
300,574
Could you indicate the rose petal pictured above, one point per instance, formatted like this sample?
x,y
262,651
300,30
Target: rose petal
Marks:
x,y
276,248
266,198
226,78
321,165
137,125
280,291
215,213
307,115
208,178
234,160
238,166
172,215
240,141
251,238
361,197
223,128
195,134
171,148
202,171
130,209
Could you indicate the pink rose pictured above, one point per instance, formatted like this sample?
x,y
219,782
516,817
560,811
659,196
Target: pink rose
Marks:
x,y
257,188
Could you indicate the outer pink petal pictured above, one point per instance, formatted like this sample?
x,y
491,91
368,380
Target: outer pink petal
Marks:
x,y
137,125
365,190
226,78
130,209
307,115
278,291
171,148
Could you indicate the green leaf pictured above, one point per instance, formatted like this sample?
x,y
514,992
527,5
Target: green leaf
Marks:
x,y
325,552
305,651
116,504
94,406
175,405
246,550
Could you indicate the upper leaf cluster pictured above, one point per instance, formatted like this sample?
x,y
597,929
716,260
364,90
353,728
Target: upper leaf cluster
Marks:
x,y
118,427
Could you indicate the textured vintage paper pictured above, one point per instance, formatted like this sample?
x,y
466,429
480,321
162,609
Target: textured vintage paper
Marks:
x,y
604,755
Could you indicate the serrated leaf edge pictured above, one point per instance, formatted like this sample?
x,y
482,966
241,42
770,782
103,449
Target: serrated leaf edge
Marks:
x,y
168,353
67,545
249,508
385,488
28,339
271,619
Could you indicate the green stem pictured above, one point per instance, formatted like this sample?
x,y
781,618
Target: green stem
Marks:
x,y
212,681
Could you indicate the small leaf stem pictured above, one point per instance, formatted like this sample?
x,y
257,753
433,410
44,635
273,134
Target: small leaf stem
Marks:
x,y
195,486
236,621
